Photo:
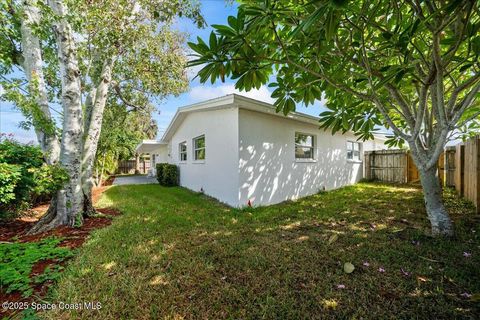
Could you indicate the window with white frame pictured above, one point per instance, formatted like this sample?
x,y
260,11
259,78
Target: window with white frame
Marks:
x,y
182,151
199,148
353,150
304,146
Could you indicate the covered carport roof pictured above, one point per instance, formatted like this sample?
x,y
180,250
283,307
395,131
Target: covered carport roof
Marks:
x,y
148,146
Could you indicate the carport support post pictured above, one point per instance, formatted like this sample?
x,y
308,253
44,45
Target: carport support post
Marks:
x,y
137,163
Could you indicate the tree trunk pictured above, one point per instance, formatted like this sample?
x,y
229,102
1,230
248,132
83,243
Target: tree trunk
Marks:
x,y
92,134
32,65
100,178
67,207
432,193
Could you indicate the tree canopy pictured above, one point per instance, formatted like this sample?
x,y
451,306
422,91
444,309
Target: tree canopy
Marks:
x,y
410,66
75,55
375,61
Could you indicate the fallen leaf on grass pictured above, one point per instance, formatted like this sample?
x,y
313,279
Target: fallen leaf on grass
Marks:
x,y
333,238
475,297
348,267
431,260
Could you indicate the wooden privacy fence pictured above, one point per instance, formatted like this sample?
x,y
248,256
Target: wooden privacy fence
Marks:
x,y
390,166
458,167
128,166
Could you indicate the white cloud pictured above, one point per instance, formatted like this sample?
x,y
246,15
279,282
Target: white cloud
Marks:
x,y
202,93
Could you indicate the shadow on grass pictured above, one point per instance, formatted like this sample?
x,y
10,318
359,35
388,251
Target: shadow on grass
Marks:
x,y
175,253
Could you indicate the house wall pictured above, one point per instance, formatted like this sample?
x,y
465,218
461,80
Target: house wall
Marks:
x,y
218,174
159,155
268,170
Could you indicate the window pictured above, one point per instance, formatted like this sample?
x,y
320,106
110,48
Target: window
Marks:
x,y
199,148
304,146
353,150
182,151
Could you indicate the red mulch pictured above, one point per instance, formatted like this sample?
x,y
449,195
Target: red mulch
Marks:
x,y
73,238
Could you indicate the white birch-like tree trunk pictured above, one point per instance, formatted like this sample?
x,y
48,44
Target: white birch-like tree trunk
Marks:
x,y
93,128
67,206
32,65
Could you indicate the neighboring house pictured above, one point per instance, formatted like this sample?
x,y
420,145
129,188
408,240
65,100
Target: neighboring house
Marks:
x,y
238,150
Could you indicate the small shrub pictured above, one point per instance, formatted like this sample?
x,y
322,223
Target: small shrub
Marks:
x,y
10,174
25,178
170,175
48,179
167,174
159,167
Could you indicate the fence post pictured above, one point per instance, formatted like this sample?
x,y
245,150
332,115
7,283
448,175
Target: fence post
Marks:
x,y
441,169
478,174
459,168
368,173
407,167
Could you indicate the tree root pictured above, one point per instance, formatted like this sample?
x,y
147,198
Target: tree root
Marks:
x,y
88,209
49,220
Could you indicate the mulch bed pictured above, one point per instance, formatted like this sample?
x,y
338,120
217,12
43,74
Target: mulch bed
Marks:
x,y
16,230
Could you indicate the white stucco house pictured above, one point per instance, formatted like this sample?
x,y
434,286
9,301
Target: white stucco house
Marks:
x,y
238,149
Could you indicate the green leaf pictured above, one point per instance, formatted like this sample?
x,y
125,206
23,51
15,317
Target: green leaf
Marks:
x,y
476,45
213,41
224,30
331,25
448,41
465,67
307,23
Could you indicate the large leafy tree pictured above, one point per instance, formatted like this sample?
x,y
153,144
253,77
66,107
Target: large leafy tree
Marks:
x,y
411,66
123,128
74,54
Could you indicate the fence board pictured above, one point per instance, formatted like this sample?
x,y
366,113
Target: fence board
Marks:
x,y
459,168
450,167
471,180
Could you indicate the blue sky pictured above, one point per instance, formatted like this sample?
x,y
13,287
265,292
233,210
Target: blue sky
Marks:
x,y
214,12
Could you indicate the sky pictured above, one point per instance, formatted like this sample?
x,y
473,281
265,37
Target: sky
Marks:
x,y
214,12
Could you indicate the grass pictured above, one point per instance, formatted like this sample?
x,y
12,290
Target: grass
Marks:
x,y
176,254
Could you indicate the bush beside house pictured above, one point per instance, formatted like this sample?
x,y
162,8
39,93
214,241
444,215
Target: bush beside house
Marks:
x,y
167,174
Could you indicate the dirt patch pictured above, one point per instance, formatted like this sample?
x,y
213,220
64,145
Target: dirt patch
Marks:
x,y
72,238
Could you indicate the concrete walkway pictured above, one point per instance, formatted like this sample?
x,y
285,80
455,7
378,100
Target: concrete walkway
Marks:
x,y
133,180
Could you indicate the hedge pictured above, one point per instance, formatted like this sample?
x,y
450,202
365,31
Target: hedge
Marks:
x,y
167,174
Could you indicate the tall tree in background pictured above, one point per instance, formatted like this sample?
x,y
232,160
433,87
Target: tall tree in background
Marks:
x,y
94,49
411,66
123,129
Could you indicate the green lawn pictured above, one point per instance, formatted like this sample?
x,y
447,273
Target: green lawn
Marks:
x,y
176,254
